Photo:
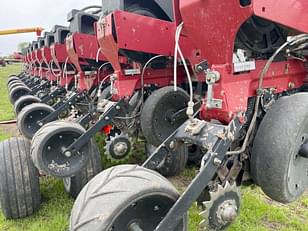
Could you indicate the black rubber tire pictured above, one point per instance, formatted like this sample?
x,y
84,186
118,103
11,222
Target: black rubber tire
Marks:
x,y
40,141
150,112
25,101
11,79
75,184
16,84
101,201
19,180
195,155
18,92
276,146
13,82
175,162
25,114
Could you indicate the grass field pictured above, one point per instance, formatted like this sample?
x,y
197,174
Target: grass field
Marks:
x,y
258,212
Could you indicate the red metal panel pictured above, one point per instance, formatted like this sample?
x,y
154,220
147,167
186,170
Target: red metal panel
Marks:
x,y
140,33
235,90
106,41
86,46
126,85
70,48
58,52
212,26
291,13
46,54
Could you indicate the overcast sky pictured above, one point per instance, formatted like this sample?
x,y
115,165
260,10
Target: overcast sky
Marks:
x,y
33,13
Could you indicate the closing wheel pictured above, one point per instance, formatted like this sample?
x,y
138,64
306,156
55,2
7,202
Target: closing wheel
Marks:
x,y
18,92
118,147
143,199
19,179
158,117
27,119
25,101
278,163
49,143
73,185
222,208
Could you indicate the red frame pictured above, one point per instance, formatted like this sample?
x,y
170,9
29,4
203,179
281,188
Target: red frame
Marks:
x,y
207,35
47,58
59,55
129,32
216,37
81,47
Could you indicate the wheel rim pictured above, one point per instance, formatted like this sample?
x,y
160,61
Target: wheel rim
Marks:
x,y
118,147
17,94
145,213
56,162
298,166
30,122
162,124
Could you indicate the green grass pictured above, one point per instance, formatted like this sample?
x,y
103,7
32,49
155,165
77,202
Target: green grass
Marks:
x,y
258,212
6,109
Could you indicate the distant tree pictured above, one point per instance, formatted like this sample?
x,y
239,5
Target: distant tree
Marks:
x,y
22,46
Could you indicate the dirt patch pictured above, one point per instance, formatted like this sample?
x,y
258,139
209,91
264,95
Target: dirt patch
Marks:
x,y
180,182
272,225
9,129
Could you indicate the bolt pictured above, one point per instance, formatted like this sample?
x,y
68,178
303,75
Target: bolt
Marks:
x,y
68,154
229,213
156,208
118,107
217,161
199,68
106,118
172,144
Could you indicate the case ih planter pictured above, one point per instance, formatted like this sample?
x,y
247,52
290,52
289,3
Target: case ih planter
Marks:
x,y
253,119
224,82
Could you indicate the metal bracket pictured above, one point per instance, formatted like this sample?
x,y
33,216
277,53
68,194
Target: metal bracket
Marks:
x,y
218,146
105,119
181,114
217,139
69,103
53,95
39,87
211,78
